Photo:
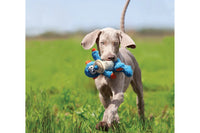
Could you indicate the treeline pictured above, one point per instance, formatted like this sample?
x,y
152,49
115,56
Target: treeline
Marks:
x,y
142,32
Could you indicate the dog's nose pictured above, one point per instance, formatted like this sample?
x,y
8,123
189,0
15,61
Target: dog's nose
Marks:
x,y
111,57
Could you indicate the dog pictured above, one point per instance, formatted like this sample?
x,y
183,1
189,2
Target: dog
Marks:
x,y
111,91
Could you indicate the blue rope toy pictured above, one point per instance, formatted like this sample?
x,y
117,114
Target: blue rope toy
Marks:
x,y
94,68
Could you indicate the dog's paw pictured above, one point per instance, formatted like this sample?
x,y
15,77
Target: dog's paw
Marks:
x,y
102,125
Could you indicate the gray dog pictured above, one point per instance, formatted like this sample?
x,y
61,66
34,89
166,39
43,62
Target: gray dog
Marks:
x,y
111,91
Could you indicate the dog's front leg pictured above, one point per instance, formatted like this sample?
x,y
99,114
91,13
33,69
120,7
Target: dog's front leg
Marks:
x,y
116,98
110,113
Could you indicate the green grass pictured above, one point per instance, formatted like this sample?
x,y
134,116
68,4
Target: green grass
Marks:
x,y
60,98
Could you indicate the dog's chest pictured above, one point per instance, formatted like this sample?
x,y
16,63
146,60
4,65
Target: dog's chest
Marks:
x,y
102,81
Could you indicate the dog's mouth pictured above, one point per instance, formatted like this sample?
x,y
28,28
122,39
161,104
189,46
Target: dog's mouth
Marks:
x,y
106,60
109,60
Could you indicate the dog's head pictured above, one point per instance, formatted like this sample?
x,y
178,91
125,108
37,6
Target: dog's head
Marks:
x,y
108,41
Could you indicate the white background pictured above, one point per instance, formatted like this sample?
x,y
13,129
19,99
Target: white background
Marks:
x,y
12,67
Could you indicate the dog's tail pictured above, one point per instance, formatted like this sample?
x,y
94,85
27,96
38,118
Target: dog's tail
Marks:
x,y
123,16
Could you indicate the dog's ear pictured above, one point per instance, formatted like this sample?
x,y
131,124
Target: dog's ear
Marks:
x,y
90,39
126,41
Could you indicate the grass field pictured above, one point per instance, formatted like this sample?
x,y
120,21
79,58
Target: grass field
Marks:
x,y
60,98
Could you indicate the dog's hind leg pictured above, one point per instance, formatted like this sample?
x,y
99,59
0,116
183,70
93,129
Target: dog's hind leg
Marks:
x,y
136,84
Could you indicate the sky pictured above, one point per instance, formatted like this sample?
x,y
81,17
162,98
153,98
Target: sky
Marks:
x,y
73,15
